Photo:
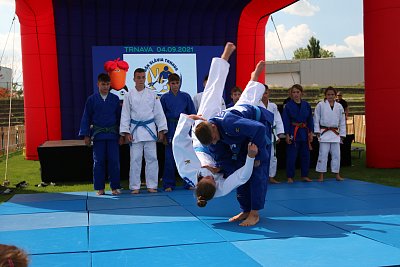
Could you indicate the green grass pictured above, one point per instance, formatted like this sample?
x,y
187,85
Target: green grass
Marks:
x,y
20,169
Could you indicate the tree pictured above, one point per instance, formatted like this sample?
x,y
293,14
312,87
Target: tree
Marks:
x,y
313,47
301,53
313,50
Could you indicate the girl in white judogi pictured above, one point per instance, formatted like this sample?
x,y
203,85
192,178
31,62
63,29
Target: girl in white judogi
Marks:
x,y
330,127
142,123
277,131
192,159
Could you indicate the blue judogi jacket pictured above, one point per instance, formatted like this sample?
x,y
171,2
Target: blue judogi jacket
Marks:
x,y
103,115
293,115
238,127
173,106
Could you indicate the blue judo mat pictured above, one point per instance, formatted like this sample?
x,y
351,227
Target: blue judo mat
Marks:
x,y
349,223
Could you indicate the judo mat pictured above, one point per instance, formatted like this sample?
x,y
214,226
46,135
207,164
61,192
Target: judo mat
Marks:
x,y
349,223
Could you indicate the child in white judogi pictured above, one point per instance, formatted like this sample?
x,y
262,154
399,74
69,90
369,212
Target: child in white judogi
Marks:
x,y
277,131
142,123
330,127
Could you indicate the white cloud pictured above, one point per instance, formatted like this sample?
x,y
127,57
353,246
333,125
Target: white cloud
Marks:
x,y
7,3
301,8
12,57
291,39
353,47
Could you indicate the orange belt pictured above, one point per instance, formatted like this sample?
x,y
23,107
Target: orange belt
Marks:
x,y
297,126
333,129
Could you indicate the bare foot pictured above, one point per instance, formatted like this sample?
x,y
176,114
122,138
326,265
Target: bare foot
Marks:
x,y
290,180
257,71
306,179
115,192
135,191
228,50
339,178
100,192
152,190
240,217
191,188
273,181
169,189
252,219
321,177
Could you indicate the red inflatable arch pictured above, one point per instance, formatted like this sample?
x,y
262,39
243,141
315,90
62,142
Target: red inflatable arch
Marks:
x,y
382,89
39,58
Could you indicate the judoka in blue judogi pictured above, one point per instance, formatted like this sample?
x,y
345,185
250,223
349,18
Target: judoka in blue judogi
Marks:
x,y
100,123
231,131
299,127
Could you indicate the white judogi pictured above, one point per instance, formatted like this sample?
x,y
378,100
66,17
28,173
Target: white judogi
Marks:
x,y
188,161
189,166
197,100
325,116
277,129
143,106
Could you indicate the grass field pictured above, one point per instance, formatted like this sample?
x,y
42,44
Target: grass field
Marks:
x,y
20,169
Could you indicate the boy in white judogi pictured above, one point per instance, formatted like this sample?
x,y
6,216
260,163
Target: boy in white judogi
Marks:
x,y
277,131
330,127
142,123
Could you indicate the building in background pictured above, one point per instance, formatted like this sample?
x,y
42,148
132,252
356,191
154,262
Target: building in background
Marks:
x,y
319,72
5,78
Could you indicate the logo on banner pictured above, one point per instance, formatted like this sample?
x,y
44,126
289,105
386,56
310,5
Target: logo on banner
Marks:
x,y
157,72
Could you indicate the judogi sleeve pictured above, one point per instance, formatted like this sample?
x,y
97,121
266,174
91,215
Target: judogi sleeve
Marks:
x,y
342,122
286,118
253,130
190,109
252,94
159,116
125,123
87,118
239,177
310,120
317,117
278,121
210,104
186,160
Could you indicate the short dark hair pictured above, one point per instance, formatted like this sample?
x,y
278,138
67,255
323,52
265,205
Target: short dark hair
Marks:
x,y
266,87
330,88
203,133
138,70
103,77
297,86
236,89
173,77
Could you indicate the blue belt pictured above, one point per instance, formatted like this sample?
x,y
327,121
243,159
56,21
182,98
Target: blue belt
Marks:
x,y
203,149
144,124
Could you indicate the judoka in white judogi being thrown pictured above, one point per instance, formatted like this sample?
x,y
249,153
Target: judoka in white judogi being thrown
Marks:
x,y
194,161
330,128
142,123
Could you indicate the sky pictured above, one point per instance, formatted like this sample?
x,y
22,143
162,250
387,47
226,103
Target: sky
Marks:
x,y
337,24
